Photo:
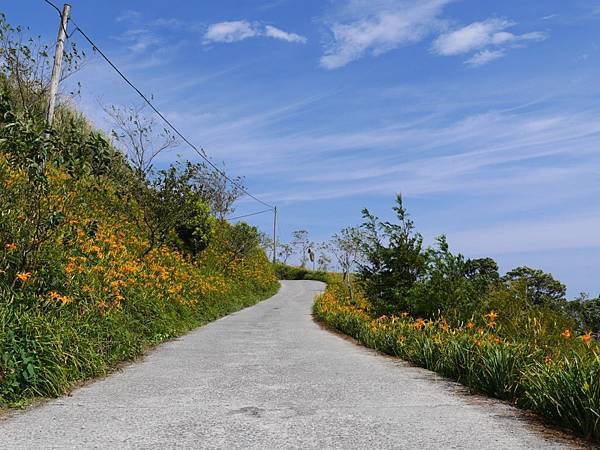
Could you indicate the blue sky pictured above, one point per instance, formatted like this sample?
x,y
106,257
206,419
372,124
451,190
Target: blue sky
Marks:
x,y
485,115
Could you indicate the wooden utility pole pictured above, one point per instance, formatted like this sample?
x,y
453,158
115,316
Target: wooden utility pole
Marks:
x,y
275,235
58,56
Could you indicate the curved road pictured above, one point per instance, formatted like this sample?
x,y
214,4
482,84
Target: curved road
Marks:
x,y
269,377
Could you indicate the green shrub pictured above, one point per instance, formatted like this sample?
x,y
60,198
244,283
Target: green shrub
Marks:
x,y
287,272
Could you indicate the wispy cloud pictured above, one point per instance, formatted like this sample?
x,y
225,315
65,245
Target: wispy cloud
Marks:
x,y
378,27
550,17
233,31
489,38
276,33
239,30
484,57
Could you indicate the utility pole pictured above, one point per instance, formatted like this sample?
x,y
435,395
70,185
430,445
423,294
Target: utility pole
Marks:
x,y
58,56
275,235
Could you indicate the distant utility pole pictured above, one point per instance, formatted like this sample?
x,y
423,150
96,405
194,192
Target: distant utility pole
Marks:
x,y
58,56
275,235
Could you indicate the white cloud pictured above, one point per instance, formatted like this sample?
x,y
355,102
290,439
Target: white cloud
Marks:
x,y
489,38
276,33
239,30
378,27
484,57
231,31
129,16
473,37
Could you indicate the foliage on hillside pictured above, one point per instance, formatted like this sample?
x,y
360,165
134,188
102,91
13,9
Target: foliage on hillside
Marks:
x,y
98,260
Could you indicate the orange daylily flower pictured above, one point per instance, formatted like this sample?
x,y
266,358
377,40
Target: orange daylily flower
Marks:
x,y
566,334
491,316
24,276
587,338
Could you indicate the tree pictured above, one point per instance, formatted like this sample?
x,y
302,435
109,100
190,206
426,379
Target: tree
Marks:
x,y
301,243
136,134
346,249
172,211
586,311
443,289
195,227
541,287
285,251
324,259
482,267
393,260
221,194
482,272
266,243
239,240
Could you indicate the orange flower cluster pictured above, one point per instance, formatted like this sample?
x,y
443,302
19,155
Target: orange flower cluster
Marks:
x,y
54,296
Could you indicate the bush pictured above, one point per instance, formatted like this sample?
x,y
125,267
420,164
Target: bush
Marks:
x,y
286,272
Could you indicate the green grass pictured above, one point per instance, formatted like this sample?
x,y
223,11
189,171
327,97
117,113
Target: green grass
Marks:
x,y
287,272
45,353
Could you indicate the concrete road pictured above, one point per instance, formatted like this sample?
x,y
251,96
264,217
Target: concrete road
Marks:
x,y
269,377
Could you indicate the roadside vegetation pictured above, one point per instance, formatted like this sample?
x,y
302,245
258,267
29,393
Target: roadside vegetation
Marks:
x,y
286,272
102,254
515,337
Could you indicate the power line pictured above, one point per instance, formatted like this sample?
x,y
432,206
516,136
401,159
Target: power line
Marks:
x,y
250,215
200,152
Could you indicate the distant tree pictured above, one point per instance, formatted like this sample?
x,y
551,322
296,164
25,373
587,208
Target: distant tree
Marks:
x,y
169,205
346,249
586,311
324,259
301,243
239,241
285,252
482,267
266,243
541,287
482,272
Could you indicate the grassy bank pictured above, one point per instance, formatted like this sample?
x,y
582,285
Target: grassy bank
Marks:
x,y
557,376
93,301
